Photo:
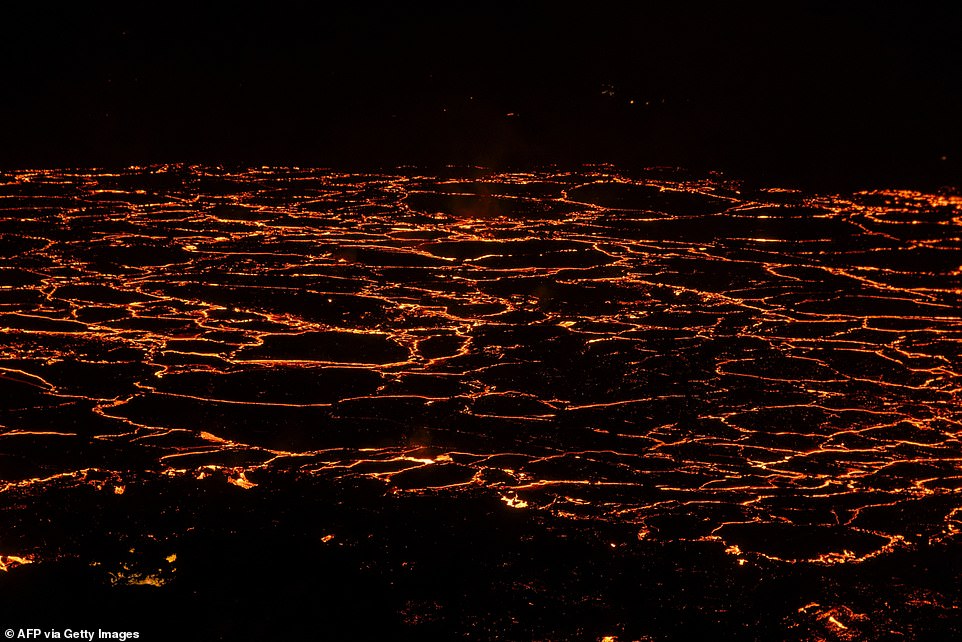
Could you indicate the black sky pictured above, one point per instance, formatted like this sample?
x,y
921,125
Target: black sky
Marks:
x,y
787,91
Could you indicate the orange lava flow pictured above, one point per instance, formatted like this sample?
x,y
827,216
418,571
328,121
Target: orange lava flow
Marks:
x,y
782,369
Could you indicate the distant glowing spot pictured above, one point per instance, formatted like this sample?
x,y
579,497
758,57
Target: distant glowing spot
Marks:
x,y
119,490
610,638
8,562
241,481
837,558
123,579
327,538
831,618
171,558
514,502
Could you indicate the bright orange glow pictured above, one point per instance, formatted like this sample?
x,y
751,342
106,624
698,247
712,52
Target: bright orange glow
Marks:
x,y
780,370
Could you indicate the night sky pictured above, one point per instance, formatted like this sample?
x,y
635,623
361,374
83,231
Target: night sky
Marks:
x,y
793,92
